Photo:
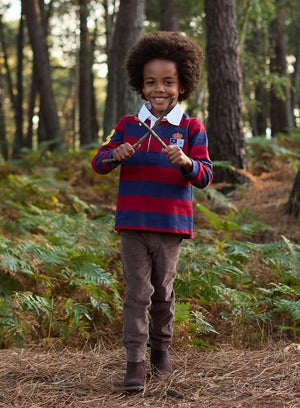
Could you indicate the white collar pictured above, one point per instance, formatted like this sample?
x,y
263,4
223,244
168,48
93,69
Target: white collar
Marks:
x,y
174,116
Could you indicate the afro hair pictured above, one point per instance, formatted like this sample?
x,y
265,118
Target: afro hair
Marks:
x,y
170,45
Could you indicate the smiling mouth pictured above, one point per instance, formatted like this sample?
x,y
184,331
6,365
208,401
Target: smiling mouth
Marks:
x,y
159,99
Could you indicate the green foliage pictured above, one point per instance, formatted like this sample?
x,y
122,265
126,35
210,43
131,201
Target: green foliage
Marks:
x,y
214,196
250,312
60,266
56,253
243,222
192,324
256,284
266,155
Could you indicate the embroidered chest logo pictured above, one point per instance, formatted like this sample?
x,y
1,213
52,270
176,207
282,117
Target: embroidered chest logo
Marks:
x,y
109,138
177,139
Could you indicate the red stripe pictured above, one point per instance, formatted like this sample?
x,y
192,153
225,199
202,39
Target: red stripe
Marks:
x,y
199,152
200,175
144,147
154,204
153,173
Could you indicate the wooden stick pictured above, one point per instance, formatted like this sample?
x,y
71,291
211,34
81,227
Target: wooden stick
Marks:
x,y
150,130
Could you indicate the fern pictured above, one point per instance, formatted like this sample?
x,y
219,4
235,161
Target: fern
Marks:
x,y
60,265
40,305
60,254
233,222
215,196
291,306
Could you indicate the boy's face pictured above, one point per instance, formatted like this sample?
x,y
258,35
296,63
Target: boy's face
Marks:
x,y
161,82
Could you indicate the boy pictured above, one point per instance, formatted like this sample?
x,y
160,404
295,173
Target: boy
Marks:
x,y
154,207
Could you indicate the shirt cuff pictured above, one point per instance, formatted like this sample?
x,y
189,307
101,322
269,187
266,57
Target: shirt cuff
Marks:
x,y
194,173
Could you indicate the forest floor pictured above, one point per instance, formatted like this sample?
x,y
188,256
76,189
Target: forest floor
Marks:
x,y
265,376
225,378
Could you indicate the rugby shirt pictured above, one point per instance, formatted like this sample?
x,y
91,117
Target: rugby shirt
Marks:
x,y
154,194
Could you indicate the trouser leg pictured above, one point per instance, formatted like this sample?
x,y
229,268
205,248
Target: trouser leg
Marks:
x,y
164,269
149,267
137,267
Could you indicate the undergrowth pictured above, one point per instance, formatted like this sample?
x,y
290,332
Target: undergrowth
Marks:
x,y
60,273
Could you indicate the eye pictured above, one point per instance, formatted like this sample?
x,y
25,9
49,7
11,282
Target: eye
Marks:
x,y
149,82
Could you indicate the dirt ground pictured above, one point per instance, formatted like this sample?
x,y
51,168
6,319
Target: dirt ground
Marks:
x,y
267,196
222,379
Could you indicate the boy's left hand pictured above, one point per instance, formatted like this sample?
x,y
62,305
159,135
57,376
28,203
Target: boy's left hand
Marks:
x,y
176,156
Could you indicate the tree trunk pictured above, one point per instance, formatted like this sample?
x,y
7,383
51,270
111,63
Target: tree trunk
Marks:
x,y
85,76
224,126
38,43
95,123
293,205
31,104
261,113
10,86
168,15
6,65
280,115
18,141
258,110
3,140
121,100
296,79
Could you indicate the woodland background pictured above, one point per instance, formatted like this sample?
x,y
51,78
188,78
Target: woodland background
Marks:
x,y
63,88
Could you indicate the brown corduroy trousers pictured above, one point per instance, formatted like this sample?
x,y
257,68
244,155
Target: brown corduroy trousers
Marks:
x,y
149,268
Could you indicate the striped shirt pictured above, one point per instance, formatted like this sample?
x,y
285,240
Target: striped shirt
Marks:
x,y
154,194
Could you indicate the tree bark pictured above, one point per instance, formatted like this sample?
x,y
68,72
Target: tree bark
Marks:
x,y
121,100
10,86
85,76
224,126
3,140
38,43
293,205
168,15
295,80
280,109
18,141
30,112
7,68
258,110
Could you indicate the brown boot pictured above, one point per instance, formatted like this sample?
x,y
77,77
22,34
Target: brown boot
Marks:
x,y
135,376
160,363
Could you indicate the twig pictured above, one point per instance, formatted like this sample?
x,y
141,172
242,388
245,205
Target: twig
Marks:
x,y
136,145
151,131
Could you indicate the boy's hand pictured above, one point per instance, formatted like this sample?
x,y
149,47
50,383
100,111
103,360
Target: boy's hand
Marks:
x,y
177,156
123,152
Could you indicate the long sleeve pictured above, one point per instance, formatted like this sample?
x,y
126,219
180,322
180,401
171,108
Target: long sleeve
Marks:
x,y
201,175
154,194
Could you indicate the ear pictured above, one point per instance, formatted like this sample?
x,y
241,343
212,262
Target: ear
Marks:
x,y
181,90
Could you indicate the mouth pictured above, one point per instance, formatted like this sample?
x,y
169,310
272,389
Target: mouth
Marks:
x,y
160,99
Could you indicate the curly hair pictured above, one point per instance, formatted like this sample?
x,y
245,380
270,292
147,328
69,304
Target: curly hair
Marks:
x,y
170,45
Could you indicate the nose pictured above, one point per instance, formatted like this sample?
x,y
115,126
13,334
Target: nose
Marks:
x,y
160,87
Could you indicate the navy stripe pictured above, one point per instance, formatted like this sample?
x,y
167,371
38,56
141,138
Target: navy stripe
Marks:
x,y
154,220
148,159
204,182
155,189
198,139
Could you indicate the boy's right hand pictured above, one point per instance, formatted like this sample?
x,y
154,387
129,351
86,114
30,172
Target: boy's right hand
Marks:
x,y
123,152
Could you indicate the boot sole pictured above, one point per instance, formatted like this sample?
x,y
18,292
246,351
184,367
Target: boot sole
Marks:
x,y
132,387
